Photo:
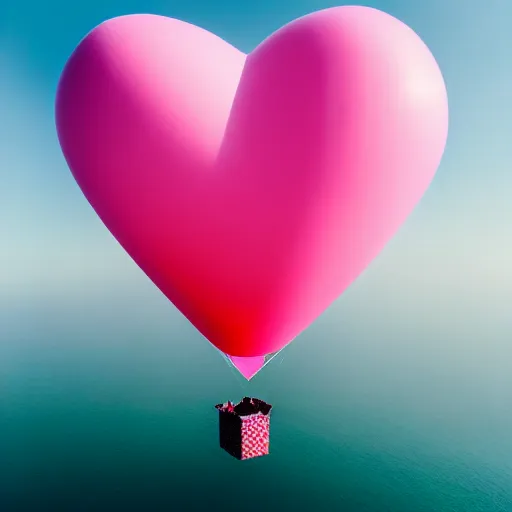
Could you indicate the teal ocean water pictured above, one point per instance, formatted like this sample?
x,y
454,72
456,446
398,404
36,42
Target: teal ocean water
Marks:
x,y
111,407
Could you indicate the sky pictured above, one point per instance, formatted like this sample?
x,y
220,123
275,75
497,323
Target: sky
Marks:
x,y
460,227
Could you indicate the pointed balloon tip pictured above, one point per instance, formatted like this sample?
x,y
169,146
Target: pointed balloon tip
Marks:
x,y
248,366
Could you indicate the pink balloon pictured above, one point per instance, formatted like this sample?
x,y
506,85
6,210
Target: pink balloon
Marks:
x,y
248,366
253,189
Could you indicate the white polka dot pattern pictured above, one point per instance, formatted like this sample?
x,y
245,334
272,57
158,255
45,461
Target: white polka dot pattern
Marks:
x,y
255,435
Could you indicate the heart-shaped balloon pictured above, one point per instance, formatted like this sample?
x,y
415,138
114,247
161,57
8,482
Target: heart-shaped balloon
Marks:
x,y
253,189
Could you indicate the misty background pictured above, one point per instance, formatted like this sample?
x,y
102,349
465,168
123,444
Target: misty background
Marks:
x,y
398,398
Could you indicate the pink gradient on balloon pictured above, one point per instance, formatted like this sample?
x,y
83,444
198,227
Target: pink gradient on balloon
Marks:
x,y
252,190
248,366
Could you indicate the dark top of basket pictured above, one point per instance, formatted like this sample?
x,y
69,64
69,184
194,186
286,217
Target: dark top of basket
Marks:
x,y
246,407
